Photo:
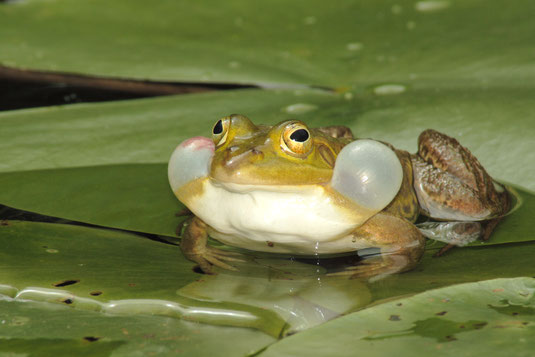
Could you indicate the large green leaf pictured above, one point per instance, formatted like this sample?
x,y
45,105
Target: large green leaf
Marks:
x,y
134,131
495,318
131,197
472,42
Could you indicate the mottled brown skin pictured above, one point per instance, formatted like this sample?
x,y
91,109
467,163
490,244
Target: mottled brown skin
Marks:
x,y
472,191
448,173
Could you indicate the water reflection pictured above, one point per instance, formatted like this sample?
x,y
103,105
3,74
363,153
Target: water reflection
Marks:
x,y
301,293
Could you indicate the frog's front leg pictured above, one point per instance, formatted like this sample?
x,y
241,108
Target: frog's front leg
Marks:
x,y
194,247
452,185
401,244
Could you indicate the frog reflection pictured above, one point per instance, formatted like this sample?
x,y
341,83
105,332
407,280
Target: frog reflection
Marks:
x,y
300,293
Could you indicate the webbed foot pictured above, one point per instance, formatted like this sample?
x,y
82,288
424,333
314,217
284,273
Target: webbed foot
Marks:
x,y
194,247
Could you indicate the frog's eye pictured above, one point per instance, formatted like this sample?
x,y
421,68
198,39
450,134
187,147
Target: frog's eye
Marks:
x,y
296,139
220,131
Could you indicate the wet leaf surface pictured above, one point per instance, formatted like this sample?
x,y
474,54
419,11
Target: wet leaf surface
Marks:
x,y
95,283
107,271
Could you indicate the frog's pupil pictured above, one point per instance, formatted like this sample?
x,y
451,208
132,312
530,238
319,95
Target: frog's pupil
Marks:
x,y
218,128
300,135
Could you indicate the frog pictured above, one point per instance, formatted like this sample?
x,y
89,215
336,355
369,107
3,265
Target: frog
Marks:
x,y
301,191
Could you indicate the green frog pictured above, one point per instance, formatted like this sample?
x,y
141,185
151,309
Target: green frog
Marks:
x,y
297,190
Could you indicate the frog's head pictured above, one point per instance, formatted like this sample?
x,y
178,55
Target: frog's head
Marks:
x,y
287,154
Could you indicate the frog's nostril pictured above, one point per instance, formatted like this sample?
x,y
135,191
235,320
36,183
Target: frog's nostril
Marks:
x,y
256,154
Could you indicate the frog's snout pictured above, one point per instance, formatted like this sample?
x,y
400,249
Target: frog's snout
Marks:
x,y
190,160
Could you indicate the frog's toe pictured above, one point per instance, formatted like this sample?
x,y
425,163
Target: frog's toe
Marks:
x,y
207,261
375,268
225,255
218,263
217,257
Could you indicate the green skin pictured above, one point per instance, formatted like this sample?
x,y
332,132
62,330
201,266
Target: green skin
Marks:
x,y
443,173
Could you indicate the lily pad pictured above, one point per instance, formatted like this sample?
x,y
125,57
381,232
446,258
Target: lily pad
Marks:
x,y
495,317
116,272
440,43
131,197
128,292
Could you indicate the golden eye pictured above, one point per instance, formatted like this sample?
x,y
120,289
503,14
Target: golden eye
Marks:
x,y
220,131
296,139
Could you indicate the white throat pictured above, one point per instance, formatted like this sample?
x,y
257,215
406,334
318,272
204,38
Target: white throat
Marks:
x,y
287,219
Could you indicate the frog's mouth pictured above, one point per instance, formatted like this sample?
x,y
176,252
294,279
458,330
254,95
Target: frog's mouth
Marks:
x,y
190,160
